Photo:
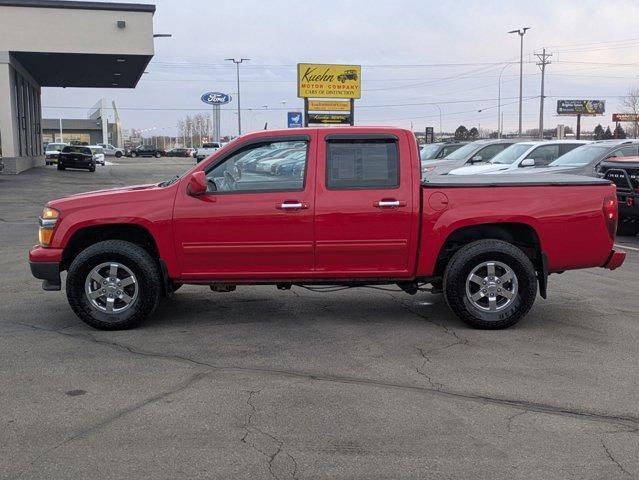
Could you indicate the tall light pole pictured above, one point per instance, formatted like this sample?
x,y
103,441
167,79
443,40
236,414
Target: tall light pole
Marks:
x,y
441,133
499,101
521,32
237,62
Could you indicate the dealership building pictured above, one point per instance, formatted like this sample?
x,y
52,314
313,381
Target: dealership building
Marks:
x,y
70,44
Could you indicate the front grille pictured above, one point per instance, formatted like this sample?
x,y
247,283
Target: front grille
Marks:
x,y
626,179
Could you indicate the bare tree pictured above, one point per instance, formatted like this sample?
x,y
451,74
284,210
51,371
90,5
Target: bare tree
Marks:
x,y
193,128
630,104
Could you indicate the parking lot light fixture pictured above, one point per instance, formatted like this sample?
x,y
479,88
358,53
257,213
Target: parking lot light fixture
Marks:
x,y
521,32
237,62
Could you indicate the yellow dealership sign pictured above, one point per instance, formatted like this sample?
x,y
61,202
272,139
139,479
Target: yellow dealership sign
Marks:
x,y
328,81
329,106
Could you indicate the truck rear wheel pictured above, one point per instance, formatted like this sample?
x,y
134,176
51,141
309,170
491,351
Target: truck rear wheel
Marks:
x,y
490,284
113,285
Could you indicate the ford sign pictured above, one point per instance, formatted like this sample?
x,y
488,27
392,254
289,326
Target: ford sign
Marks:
x,y
216,98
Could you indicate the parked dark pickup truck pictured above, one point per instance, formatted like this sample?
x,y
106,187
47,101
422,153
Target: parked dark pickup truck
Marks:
x,y
624,172
357,214
76,156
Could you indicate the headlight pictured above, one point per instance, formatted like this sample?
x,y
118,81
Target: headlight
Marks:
x,y
48,221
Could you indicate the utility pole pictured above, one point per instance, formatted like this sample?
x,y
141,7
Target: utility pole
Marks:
x,y
543,61
521,32
237,62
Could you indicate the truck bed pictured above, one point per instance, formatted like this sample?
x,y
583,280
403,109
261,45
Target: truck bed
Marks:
x,y
523,180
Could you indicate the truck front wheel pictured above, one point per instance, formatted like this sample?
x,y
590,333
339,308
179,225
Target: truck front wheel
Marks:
x,y
113,285
490,284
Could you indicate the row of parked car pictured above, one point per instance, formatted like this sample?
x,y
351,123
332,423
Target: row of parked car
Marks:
x,y
617,160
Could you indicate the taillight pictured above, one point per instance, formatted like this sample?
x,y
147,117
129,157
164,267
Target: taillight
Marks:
x,y
610,214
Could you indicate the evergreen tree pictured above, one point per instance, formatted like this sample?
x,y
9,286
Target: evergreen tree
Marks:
x,y
461,133
598,133
607,134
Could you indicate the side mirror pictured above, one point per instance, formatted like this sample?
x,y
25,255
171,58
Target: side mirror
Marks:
x,y
527,162
476,158
197,184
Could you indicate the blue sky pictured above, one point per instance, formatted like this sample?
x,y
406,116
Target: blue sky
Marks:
x,y
413,53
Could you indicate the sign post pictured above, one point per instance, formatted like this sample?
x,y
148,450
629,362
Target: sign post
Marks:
x,y
215,99
329,81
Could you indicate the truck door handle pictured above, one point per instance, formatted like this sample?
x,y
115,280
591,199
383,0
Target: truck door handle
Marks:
x,y
292,205
389,203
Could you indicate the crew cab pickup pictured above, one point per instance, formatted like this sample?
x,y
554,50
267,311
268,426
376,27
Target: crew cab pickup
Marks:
x,y
357,214
206,150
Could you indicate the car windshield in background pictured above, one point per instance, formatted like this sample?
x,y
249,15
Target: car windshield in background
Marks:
x,y
580,156
429,152
76,149
210,145
509,155
96,150
55,146
462,152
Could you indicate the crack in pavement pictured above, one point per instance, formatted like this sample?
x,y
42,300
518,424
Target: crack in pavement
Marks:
x,y
512,417
254,431
435,385
630,423
614,460
117,415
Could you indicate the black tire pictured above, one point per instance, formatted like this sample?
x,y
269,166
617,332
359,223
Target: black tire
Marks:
x,y
118,154
134,154
138,260
60,167
627,228
465,260
92,169
157,155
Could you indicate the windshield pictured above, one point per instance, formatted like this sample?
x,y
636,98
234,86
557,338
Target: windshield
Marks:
x,y
76,149
55,146
462,152
429,152
580,156
509,155
96,150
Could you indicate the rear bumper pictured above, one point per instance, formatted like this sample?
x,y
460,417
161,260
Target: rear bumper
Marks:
x,y
615,260
45,265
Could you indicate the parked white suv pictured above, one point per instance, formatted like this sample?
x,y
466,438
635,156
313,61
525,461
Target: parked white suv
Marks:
x,y
521,155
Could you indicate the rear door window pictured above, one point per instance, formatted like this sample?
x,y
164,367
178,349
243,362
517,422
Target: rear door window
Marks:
x,y
490,151
362,164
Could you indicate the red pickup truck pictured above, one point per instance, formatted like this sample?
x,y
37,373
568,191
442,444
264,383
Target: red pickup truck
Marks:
x,y
351,209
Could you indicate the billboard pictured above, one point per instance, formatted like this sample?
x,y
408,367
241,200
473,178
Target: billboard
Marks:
x,y
328,81
329,106
581,107
625,117
330,118
294,120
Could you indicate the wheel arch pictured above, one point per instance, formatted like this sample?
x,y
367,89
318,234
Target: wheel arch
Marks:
x,y
89,235
522,235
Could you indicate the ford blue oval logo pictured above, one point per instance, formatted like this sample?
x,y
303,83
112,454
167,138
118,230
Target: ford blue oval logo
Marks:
x,y
216,98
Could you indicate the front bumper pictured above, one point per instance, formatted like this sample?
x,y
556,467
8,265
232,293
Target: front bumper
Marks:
x,y
615,260
45,265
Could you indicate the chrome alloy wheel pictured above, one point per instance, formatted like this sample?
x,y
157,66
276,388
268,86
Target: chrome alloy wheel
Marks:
x,y
111,287
491,286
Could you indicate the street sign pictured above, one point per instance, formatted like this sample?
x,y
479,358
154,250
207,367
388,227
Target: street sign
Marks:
x,y
215,98
625,117
330,118
581,107
328,81
329,106
295,119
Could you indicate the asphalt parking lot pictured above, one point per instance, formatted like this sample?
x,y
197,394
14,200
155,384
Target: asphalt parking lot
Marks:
x,y
261,383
